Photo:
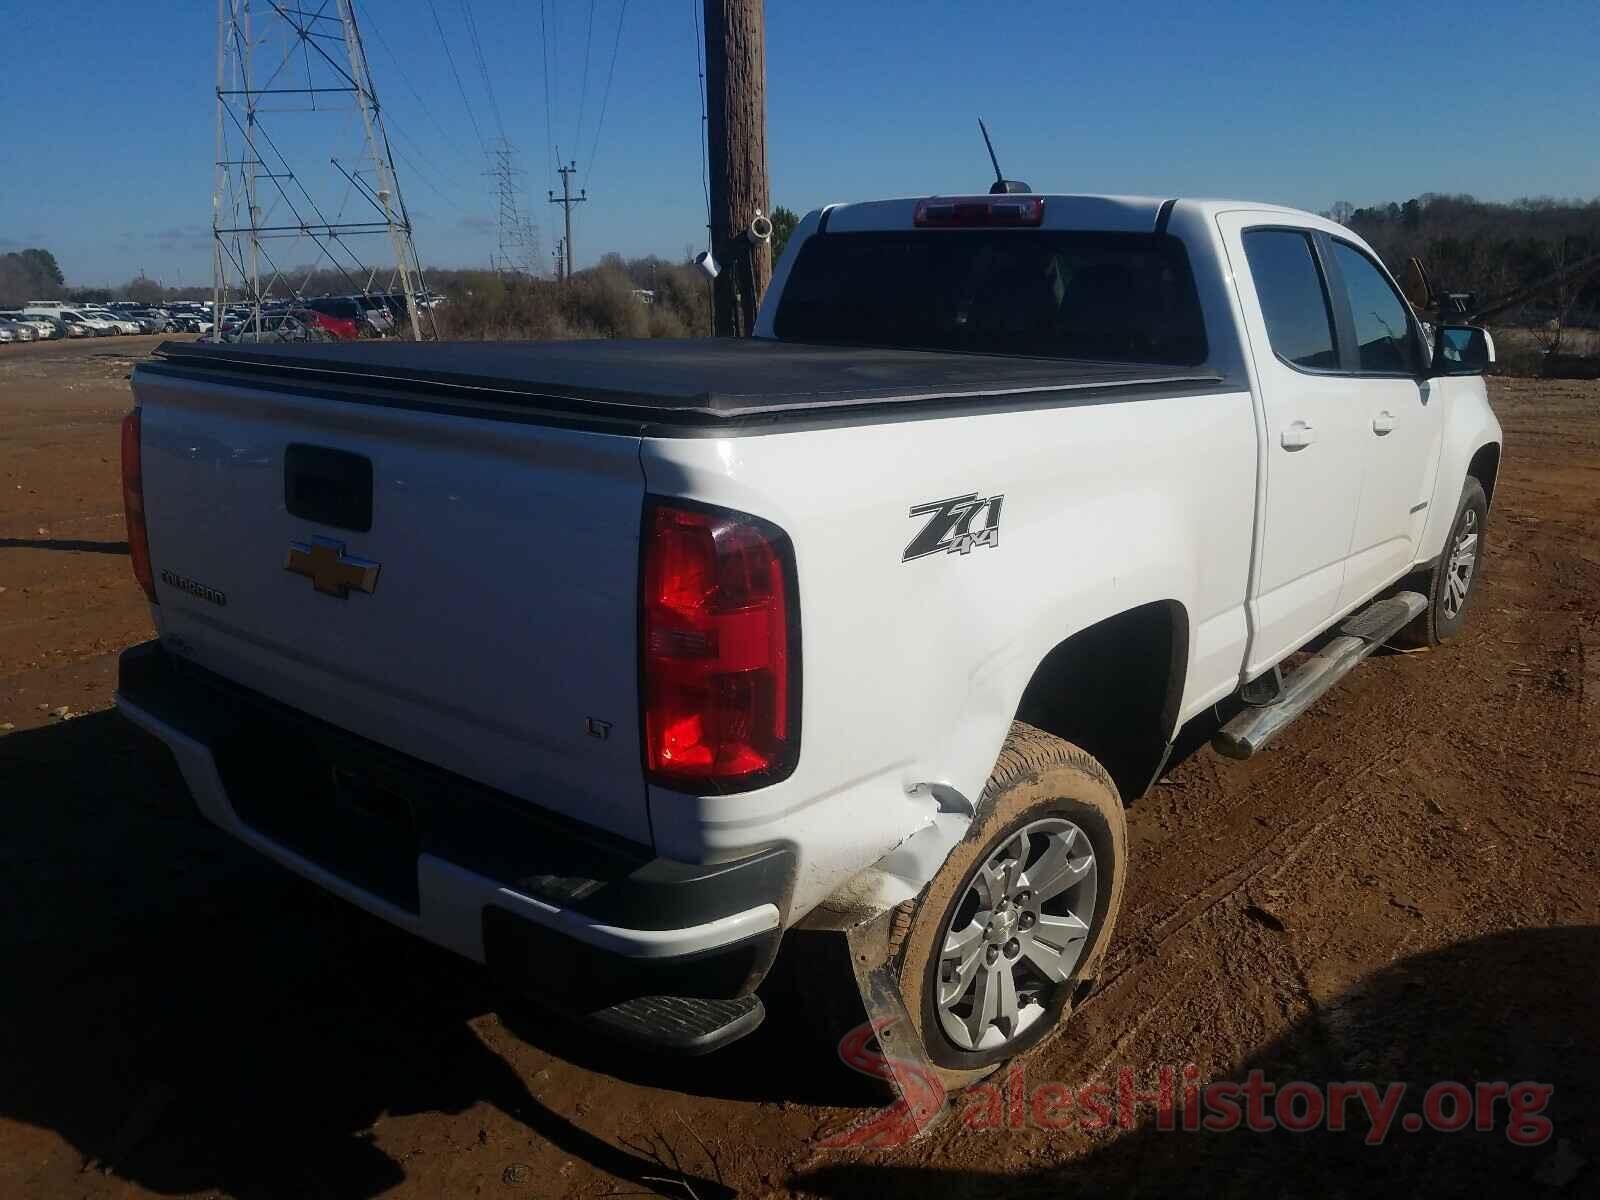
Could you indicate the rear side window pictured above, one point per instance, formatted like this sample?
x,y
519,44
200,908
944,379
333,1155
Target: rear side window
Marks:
x,y
1382,319
1109,296
1294,301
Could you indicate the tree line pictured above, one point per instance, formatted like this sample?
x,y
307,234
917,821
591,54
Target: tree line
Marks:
x,y
1490,249
30,274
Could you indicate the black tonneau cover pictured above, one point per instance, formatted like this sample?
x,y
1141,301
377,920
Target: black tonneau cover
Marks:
x,y
695,381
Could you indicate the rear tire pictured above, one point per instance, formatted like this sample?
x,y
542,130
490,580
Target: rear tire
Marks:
x,y
1050,809
1452,582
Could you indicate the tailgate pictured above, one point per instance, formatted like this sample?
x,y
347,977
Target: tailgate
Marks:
x,y
498,637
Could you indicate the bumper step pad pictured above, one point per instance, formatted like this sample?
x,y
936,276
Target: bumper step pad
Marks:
x,y
681,1025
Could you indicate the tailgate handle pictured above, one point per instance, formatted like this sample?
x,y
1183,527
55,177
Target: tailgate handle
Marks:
x,y
327,486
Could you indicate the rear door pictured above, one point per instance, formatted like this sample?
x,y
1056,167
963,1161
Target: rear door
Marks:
x,y
1401,417
1314,439
498,636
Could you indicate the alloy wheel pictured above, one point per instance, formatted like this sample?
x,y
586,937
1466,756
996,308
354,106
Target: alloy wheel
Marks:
x,y
1017,934
1463,560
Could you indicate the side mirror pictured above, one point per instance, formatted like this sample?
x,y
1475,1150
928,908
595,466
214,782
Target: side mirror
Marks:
x,y
1461,350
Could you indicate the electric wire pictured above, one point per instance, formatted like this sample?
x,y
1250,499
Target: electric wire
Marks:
x,y
583,95
451,59
700,74
483,69
427,110
544,44
605,99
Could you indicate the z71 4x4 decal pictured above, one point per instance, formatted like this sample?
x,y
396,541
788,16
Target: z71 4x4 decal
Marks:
x,y
950,526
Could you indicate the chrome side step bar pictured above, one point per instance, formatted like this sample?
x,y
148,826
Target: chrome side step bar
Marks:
x,y
1359,636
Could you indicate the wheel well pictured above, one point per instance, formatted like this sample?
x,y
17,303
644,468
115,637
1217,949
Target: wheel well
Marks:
x,y
1484,466
1113,689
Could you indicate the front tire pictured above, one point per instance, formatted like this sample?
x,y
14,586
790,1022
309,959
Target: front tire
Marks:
x,y
1452,582
1004,940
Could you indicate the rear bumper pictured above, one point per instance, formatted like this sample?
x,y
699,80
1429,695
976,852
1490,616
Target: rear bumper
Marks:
x,y
571,915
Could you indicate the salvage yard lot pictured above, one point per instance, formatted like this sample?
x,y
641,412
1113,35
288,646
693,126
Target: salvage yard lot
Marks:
x,y
1406,888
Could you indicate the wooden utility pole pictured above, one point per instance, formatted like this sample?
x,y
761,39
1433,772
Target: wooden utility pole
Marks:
x,y
736,136
567,200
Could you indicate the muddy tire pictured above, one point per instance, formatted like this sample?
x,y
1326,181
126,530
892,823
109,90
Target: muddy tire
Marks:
x,y
1453,581
1049,819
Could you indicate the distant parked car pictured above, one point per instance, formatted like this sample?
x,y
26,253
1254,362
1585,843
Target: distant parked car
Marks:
x,y
43,327
98,325
9,332
18,331
279,328
119,323
379,317
152,320
343,326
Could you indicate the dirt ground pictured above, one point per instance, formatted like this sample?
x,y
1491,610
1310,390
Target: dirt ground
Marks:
x,y
1406,888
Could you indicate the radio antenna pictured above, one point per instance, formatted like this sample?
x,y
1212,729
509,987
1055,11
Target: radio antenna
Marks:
x,y
999,179
1001,185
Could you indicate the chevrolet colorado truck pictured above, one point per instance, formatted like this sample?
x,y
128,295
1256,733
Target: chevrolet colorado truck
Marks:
x,y
617,665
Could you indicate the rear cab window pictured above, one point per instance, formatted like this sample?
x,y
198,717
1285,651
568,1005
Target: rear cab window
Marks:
x,y
1293,296
1115,297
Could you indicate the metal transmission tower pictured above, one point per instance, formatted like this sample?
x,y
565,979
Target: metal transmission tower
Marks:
x,y
518,238
288,79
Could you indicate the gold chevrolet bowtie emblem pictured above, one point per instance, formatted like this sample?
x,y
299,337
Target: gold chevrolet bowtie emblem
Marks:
x,y
333,572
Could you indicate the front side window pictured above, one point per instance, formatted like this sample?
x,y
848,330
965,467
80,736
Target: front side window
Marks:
x,y
1294,302
1382,319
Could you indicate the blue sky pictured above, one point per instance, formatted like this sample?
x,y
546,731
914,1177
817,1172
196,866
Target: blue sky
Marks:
x,y
106,145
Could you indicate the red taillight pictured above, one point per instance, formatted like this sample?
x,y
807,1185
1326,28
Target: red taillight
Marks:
x,y
719,678
133,505
978,212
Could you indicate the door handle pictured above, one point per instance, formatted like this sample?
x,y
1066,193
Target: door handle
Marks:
x,y
1383,422
1298,436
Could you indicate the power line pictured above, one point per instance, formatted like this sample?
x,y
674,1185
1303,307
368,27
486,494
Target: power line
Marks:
x,y
451,59
583,96
544,45
406,79
420,173
477,49
700,139
555,65
606,99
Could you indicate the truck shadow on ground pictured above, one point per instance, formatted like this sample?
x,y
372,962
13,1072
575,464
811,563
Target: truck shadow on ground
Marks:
x,y
190,1017
1515,1007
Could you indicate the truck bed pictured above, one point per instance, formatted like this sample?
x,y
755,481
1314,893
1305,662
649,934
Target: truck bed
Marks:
x,y
694,383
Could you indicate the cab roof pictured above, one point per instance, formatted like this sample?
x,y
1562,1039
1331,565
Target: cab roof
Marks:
x,y
1121,214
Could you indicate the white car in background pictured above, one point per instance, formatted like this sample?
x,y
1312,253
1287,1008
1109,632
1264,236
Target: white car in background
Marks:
x,y
96,324
43,327
121,324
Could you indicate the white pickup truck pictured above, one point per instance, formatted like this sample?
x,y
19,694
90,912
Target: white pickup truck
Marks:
x,y
611,664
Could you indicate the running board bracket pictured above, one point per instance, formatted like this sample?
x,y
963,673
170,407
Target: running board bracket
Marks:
x,y
1358,636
